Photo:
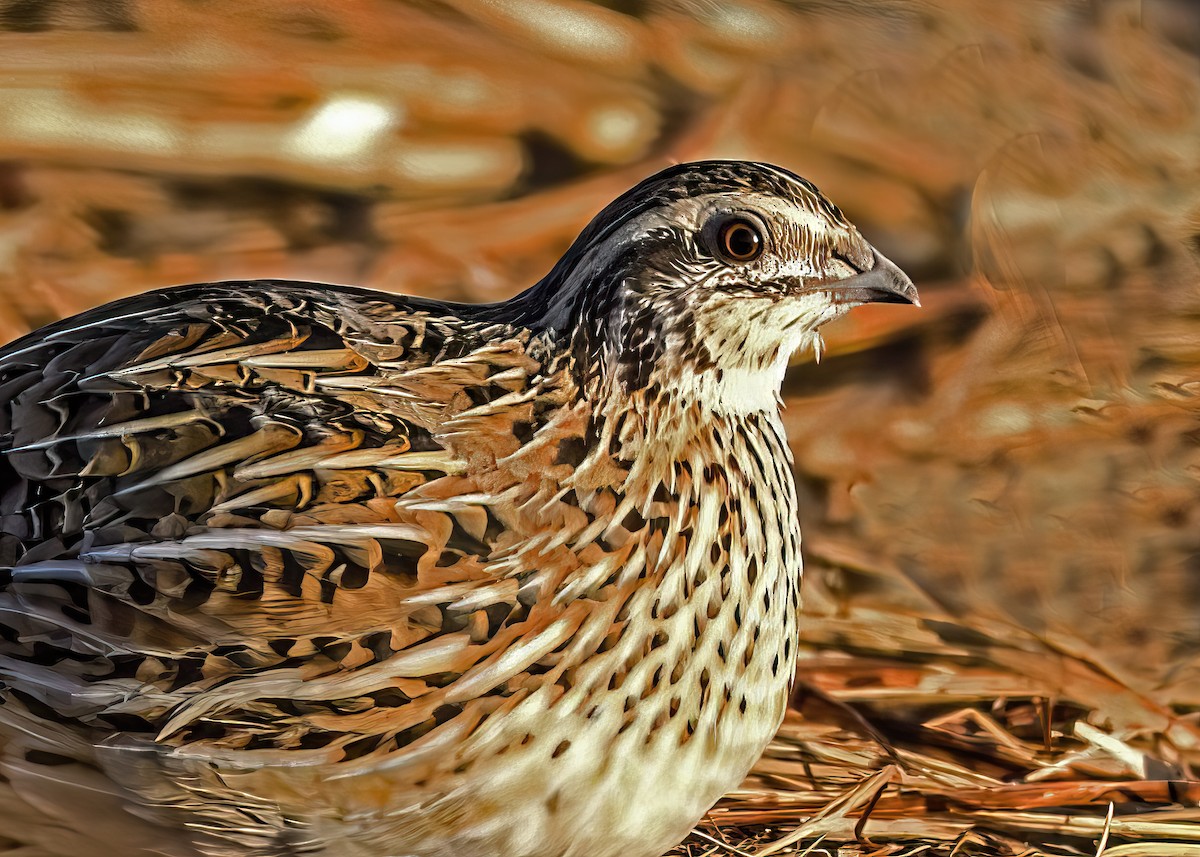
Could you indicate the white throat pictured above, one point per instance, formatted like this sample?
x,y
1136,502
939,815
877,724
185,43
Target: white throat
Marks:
x,y
731,392
753,343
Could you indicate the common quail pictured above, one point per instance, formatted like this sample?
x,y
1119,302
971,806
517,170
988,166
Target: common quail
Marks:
x,y
292,568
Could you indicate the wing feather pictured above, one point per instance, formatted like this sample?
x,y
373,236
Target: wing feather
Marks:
x,y
265,521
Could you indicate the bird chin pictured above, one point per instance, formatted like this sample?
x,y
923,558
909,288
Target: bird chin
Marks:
x,y
817,343
810,340
808,335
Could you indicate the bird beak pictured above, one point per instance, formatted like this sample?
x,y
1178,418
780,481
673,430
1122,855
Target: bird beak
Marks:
x,y
882,283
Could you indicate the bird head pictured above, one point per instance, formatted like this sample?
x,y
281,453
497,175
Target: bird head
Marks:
x,y
713,271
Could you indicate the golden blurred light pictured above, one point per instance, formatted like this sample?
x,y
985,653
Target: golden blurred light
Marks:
x,y
581,30
346,127
458,163
47,116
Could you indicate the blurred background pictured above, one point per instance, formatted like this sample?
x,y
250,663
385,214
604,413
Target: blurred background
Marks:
x,y
1001,504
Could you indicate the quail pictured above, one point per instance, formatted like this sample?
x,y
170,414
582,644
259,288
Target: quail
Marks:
x,y
289,568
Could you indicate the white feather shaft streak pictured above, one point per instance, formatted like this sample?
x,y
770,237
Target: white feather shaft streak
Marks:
x,y
69,333
441,655
515,659
434,745
305,458
466,596
304,539
594,575
209,358
332,359
300,485
433,460
320,556
125,429
379,458
371,383
269,438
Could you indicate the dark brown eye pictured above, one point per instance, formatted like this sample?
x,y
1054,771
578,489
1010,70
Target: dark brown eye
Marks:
x,y
738,240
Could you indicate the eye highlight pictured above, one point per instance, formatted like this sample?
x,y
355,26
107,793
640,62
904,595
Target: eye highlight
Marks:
x,y
737,240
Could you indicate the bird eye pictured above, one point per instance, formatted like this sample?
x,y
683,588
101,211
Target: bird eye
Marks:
x,y
738,240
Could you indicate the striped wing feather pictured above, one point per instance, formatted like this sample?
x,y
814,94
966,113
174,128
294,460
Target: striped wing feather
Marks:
x,y
263,522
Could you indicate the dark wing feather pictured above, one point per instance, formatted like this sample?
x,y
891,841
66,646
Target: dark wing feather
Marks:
x,y
254,518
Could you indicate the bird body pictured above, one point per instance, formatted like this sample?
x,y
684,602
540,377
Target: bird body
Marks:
x,y
305,569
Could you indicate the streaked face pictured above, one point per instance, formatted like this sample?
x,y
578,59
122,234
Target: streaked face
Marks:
x,y
720,268
740,279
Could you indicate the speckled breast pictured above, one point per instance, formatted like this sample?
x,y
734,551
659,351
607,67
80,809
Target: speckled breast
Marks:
x,y
667,698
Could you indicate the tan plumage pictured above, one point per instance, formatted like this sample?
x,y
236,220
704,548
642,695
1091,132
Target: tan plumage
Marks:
x,y
302,569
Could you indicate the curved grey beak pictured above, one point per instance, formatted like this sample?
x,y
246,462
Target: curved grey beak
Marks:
x,y
882,283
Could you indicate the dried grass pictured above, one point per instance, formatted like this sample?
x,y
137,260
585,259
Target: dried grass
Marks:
x,y
914,734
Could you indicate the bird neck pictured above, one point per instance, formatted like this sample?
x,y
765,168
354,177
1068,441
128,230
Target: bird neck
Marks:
x,y
718,362
653,429
632,336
